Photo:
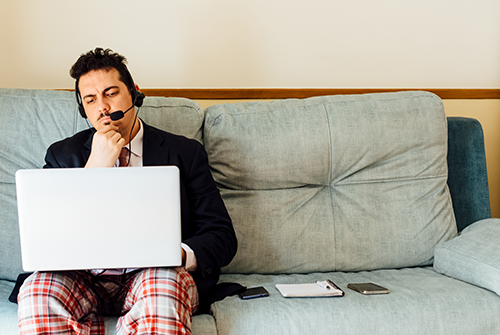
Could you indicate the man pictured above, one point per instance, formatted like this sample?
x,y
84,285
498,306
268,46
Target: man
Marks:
x,y
148,301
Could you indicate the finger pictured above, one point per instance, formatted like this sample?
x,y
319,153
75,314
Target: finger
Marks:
x,y
117,138
122,142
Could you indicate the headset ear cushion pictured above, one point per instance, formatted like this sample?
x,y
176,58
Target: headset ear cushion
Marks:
x,y
79,100
82,111
139,99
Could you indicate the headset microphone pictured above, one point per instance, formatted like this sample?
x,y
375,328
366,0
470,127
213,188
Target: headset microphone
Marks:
x,y
118,115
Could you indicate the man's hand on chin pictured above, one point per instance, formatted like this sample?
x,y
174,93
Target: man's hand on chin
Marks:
x,y
106,146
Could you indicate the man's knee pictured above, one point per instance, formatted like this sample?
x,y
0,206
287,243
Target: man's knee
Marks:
x,y
165,276
41,285
166,283
55,288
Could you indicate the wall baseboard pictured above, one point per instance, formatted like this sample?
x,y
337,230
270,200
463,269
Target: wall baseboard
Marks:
x,y
283,93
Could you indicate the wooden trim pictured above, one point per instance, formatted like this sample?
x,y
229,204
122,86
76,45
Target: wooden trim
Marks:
x,y
283,93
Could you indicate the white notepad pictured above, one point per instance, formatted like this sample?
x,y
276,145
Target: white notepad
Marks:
x,y
310,290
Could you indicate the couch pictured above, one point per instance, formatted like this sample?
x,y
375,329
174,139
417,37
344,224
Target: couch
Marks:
x,y
379,188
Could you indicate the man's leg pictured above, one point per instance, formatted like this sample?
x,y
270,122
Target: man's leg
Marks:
x,y
58,303
160,301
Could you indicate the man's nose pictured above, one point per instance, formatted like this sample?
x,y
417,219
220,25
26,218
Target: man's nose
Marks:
x,y
103,105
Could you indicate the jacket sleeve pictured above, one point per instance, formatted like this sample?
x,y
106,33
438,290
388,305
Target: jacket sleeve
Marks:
x,y
71,152
50,159
211,234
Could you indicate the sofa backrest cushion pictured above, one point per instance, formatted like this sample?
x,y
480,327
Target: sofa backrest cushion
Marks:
x,y
338,183
31,120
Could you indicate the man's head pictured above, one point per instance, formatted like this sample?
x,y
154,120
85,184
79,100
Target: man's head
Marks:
x,y
104,86
105,60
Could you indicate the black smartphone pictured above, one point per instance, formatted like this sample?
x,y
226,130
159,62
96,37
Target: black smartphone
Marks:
x,y
368,288
254,292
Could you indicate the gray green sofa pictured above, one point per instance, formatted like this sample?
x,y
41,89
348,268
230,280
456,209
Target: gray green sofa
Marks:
x,y
376,188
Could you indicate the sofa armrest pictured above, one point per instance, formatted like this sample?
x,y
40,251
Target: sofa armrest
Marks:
x,y
467,175
473,256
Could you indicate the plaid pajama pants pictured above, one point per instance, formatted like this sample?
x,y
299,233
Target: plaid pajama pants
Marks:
x,y
150,301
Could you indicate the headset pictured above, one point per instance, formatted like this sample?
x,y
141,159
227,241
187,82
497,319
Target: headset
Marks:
x,y
137,98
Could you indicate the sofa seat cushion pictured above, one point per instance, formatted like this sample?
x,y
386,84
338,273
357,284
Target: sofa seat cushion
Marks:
x,y
337,183
421,301
474,256
8,310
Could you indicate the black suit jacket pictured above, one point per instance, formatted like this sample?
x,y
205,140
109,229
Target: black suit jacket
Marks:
x,y
206,226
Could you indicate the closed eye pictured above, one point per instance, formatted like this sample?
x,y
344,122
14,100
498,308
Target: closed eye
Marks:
x,y
112,91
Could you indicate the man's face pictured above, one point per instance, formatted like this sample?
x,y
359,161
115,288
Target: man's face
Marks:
x,y
103,93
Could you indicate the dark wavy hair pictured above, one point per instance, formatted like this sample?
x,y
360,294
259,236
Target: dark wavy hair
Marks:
x,y
102,59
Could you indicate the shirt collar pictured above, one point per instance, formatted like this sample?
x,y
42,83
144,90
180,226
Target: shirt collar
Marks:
x,y
136,143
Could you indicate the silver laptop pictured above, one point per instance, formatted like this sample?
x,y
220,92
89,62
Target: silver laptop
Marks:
x,y
71,219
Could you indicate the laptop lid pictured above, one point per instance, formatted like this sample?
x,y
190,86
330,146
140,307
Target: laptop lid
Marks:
x,y
104,218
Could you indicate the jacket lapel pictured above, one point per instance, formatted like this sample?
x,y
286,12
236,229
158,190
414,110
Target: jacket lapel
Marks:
x,y
155,152
87,146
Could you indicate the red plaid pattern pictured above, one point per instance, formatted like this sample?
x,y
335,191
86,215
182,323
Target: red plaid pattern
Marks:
x,y
53,303
155,301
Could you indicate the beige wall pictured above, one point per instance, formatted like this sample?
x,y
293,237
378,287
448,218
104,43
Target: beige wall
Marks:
x,y
488,114
258,43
